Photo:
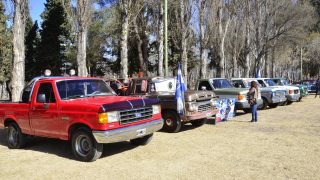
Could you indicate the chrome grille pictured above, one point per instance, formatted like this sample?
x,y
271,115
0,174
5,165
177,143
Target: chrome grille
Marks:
x,y
204,107
133,115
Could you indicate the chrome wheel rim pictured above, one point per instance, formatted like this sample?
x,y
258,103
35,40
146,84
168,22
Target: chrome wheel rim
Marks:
x,y
169,122
83,145
13,136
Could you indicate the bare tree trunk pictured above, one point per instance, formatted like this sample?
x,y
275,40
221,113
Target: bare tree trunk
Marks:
x,y
18,71
222,35
81,53
272,69
184,43
124,5
84,12
161,27
203,67
235,63
139,44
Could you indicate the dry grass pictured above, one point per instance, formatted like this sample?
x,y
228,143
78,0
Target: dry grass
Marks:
x,y
284,144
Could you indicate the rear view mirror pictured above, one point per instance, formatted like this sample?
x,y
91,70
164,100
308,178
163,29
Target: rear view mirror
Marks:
x,y
203,88
41,98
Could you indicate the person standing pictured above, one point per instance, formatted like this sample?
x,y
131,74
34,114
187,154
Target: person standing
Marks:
x,y
253,96
317,87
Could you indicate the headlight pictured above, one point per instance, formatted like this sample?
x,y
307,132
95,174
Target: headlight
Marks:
x,y
192,107
291,91
156,109
213,102
109,117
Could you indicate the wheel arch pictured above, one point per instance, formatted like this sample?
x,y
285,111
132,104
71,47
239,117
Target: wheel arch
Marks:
x,y
77,126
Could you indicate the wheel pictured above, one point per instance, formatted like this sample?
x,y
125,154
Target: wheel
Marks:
x,y
199,122
15,138
247,110
84,146
289,102
264,104
274,105
172,121
283,103
142,141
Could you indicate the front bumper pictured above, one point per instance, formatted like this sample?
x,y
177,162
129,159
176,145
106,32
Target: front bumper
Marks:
x,y
200,115
128,133
240,105
293,97
277,99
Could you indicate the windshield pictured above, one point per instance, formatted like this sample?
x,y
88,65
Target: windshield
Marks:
x,y
284,82
71,89
221,83
270,82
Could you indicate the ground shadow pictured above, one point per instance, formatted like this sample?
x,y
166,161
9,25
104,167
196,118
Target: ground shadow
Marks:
x,y
63,148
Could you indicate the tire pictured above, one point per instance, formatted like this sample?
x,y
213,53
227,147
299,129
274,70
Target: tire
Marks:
x,y
283,103
264,104
15,138
199,122
247,110
274,105
142,141
289,102
84,146
172,122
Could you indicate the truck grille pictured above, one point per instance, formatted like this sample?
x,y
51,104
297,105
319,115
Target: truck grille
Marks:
x,y
204,107
133,115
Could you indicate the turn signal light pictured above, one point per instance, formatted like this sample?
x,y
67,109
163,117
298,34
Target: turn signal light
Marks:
x,y
241,97
103,118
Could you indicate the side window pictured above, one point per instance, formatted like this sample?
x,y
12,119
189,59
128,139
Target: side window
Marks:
x,y
205,84
26,93
261,83
46,88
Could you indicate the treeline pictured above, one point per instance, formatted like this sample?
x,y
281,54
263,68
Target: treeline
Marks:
x,y
119,38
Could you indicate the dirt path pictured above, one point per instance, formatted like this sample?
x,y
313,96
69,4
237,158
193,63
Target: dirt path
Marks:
x,y
284,144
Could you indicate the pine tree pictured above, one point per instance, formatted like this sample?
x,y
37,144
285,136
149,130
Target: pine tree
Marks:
x,y
31,42
54,35
5,47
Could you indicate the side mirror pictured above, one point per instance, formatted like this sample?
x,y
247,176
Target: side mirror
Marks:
x,y
203,88
41,98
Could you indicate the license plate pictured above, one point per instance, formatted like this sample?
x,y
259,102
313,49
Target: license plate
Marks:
x,y
141,132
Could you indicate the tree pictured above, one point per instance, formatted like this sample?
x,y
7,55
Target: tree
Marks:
x,y
84,13
19,22
5,55
125,15
31,42
54,37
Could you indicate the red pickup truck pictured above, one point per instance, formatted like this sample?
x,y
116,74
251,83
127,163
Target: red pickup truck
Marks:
x,y
85,111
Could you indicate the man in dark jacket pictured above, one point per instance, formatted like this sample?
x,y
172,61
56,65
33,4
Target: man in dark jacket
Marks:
x,y
317,87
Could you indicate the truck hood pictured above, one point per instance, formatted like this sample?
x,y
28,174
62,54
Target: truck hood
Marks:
x,y
231,91
198,95
112,103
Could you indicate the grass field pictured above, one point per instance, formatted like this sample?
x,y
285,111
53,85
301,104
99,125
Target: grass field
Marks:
x,y
284,144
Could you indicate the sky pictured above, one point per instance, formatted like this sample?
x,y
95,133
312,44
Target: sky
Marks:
x,y
36,8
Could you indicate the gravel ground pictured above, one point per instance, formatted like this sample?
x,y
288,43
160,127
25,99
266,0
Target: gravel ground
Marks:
x,y
284,144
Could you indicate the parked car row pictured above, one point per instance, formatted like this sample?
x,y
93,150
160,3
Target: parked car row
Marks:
x,y
89,112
